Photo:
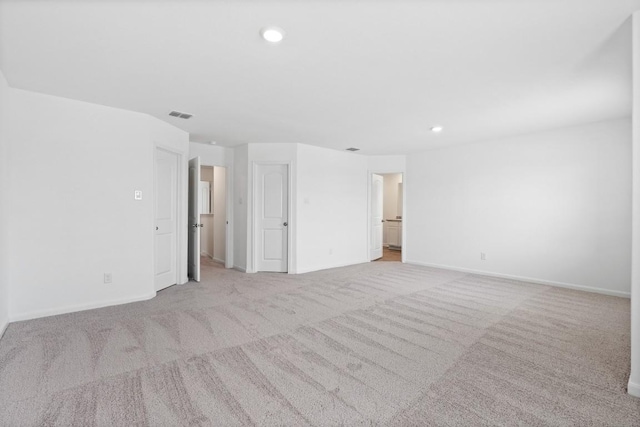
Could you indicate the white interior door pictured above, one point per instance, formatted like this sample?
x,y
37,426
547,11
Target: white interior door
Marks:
x,y
166,212
193,263
377,187
271,213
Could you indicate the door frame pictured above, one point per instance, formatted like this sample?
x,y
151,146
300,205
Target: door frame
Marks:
x,y
193,202
181,213
404,211
228,255
254,213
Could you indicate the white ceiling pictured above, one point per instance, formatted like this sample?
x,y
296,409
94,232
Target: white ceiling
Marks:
x,y
370,74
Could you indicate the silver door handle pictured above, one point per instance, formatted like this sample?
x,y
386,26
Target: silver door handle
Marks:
x,y
285,224
195,225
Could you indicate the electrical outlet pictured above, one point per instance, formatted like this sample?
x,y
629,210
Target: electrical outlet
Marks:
x,y
483,256
107,278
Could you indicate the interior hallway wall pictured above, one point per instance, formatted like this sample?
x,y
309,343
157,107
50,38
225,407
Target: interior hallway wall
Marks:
x,y
552,207
390,199
207,231
219,223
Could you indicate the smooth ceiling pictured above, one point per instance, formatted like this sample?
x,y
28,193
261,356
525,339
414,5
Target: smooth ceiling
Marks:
x,y
369,74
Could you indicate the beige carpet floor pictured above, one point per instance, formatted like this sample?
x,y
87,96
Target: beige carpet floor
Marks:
x,y
372,344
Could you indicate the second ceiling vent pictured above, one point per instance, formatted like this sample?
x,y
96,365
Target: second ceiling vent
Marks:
x,y
180,115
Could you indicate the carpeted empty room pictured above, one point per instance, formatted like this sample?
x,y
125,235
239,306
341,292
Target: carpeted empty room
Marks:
x,y
370,344
320,213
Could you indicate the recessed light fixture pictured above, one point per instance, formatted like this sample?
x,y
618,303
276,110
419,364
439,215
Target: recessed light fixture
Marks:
x,y
437,129
212,142
272,34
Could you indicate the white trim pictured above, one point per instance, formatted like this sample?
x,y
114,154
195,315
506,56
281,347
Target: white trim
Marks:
x,y
81,307
633,389
525,279
240,269
311,270
218,260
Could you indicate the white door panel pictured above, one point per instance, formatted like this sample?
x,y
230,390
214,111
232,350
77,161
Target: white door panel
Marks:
x,y
272,205
165,211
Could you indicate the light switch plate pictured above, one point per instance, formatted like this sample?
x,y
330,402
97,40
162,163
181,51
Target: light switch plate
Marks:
x,y
137,194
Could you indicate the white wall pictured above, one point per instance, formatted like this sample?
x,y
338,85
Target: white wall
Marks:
x,y
634,378
207,235
552,207
73,216
387,164
4,203
332,226
211,155
206,173
219,218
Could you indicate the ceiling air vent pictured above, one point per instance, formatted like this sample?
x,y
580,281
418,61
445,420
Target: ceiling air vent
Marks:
x,y
180,115
353,149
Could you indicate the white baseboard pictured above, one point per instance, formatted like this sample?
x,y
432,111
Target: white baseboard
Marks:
x,y
81,307
329,267
526,279
3,327
221,261
240,269
633,389
206,254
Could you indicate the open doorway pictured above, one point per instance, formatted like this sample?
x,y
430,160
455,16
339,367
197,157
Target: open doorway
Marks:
x,y
389,213
213,215
208,241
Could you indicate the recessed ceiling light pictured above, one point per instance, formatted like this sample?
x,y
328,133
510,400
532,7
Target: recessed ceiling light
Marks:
x,y
272,34
437,129
212,142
